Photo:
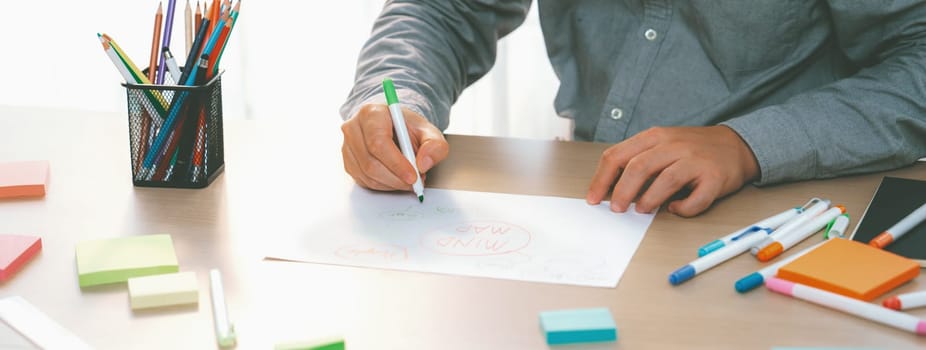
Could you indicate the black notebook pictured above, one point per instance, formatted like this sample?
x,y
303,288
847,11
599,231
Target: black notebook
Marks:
x,y
893,200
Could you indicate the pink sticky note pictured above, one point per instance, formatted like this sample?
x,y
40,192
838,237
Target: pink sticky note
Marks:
x,y
23,179
15,251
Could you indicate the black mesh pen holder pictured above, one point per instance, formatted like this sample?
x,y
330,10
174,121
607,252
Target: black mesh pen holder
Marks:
x,y
175,133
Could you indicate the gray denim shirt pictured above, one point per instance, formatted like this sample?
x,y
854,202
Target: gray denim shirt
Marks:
x,y
816,88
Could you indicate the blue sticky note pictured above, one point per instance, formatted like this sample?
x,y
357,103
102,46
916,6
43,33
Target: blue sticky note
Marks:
x,y
578,326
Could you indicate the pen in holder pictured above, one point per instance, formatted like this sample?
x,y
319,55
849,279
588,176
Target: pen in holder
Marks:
x,y
175,133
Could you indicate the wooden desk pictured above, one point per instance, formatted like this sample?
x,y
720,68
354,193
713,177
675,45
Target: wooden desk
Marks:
x,y
276,171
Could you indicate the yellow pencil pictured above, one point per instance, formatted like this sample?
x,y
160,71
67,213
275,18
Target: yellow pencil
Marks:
x,y
158,107
139,77
133,69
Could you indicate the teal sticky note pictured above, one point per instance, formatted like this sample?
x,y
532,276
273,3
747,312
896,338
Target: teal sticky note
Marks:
x,y
116,260
578,326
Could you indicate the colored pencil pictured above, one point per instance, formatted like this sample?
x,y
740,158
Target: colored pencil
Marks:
x,y
134,75
142,143
156,37
168,29
224,40
188,26
197,19
207,14
171,142
167,129
220,42
214,15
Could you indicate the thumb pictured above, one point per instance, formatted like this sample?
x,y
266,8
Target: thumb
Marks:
x,y
432,146
432,150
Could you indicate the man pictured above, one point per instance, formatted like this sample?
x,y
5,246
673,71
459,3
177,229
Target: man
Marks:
x,y
703,96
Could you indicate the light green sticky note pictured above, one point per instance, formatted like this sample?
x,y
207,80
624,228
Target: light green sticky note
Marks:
x,y
163,290
332,343
116,260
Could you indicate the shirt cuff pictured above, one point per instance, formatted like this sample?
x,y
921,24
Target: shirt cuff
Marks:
x,y
783,149
407,98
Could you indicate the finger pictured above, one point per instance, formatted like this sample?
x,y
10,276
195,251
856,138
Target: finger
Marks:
x,y
350,165
615,158
701,197
369,169
384,153
667,183
609,167
353,168
347,157
639,170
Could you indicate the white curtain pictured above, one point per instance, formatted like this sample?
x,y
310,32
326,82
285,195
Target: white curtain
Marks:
x,y
285,59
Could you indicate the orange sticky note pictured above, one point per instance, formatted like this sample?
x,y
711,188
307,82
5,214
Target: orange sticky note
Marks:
x,y
15,251
23,179
851,268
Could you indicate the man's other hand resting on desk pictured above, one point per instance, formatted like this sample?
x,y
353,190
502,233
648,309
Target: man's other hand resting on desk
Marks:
x,y
710,161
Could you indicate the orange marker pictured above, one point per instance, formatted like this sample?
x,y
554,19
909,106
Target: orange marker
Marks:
x,y
799,234
900,228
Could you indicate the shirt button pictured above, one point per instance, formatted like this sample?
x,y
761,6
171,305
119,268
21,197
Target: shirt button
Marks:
x,y
617,113
650,34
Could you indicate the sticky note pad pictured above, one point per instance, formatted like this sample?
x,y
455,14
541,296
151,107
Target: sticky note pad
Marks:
x,y
851,268
578,326
15,251
23,179
105,261
333,343
163,290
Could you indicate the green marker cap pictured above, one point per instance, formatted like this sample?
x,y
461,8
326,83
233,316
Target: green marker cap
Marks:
x,y
829,226
391,97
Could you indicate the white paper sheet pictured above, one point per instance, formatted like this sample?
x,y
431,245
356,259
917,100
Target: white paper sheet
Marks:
x,y
38,327
517,237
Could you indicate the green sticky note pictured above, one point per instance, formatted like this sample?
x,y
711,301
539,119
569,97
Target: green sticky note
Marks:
x,y
116,260
333,343
163,290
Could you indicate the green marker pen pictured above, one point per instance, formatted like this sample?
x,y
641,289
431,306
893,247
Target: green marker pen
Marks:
x,y
401,131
